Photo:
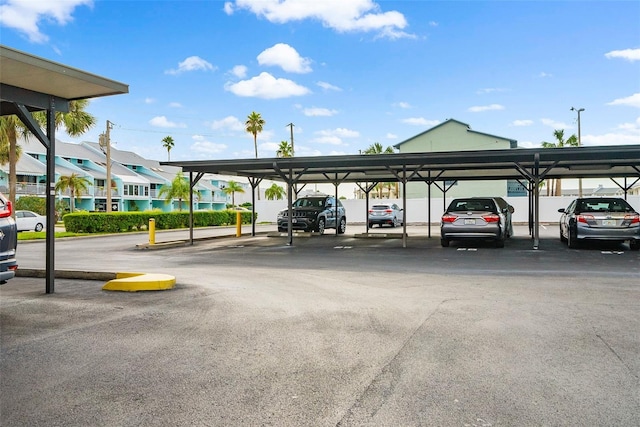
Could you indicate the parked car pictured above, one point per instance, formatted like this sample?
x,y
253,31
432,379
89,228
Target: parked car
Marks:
x,y
477,218
386,213
30,221
314,213
8,241
600,218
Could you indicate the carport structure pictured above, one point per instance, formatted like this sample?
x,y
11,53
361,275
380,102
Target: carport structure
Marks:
x,y
28,84
529,166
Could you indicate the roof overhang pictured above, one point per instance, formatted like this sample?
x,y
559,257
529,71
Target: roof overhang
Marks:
x,y
519,163
36,82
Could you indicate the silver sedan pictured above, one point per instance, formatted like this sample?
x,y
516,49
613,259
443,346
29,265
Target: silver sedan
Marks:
x,y
600,218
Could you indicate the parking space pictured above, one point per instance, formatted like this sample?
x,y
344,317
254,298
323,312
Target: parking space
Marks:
x,y
334,330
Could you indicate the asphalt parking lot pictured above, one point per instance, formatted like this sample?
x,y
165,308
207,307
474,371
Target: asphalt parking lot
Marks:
x,y
332,331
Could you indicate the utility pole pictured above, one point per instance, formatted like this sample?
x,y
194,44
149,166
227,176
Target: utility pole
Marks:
x,y
293,150
579,110
105,145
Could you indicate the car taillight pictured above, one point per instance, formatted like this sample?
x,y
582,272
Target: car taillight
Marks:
x,y
449,218
632,218
585,218
388,211
370,210
491,218
6,210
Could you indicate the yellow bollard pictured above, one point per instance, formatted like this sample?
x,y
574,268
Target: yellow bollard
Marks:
x,y
238,224
152,231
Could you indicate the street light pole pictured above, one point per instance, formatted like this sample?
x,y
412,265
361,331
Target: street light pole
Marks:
x,y
579,110
105,145
293,151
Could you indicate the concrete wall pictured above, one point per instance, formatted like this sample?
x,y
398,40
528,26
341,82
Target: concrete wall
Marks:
x,y
416,210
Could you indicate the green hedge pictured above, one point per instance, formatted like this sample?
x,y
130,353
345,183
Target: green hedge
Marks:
x,y
117,222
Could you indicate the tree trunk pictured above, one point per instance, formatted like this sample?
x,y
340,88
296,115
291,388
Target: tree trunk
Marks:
x,y
558,187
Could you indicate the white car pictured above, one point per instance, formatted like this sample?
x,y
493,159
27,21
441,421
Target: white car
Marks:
x,y
30,221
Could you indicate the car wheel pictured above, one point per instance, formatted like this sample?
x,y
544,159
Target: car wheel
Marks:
x,y
562,238
342,226
370,225
394,223
321,226
634,245
444,243
38,227
500,243
282,230
572,240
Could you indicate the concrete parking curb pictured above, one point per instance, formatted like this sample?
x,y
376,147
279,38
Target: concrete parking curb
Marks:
x,y
67,274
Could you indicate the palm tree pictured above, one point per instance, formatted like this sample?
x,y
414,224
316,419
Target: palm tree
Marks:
x,y
178,189
572,141
284,149
254,125
168,144
376,148
76,184
233,188
76,122
275,192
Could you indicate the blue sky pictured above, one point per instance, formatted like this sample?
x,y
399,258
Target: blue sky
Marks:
x,y
347,73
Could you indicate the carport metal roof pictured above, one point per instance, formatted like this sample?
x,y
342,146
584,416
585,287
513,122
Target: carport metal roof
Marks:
x,y
531,165
569,162
29,83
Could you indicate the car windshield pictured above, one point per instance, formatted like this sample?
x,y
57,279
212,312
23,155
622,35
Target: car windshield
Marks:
x,y
464,205
603,205
309,202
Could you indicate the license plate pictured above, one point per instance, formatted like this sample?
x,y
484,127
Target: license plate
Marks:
x,y
469,221
609,222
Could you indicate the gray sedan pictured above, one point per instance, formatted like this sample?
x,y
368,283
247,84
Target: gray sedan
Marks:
x,y
477,218
600,218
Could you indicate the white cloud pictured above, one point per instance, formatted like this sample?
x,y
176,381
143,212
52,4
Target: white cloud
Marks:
x,y
284,56
202,146
543,75
391,136
555,125
627,54
350,16
481,108
334,136
404,105
149,100
267,87
327,86
630,101
175,105
420,121
163,122
489,90
240,71
319,112
522,123
25,15
228,123
192,63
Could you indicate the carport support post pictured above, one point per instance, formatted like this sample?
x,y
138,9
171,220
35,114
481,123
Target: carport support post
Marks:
x,y
290,208
536,197
335,184
429,206
191,207
404,206
51,201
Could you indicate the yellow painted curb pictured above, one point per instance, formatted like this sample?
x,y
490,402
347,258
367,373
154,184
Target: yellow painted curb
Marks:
x,y
134,282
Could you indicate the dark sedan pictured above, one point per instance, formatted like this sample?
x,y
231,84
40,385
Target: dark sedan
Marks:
x,y
600,218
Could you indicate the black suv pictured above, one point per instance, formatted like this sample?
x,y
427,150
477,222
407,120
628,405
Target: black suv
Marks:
x,y
8,241
314,213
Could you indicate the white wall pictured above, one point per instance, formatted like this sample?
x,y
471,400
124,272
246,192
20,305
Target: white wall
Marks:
x,y
416,210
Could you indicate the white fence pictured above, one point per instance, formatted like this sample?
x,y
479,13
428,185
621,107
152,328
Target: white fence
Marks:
x,y
416,209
